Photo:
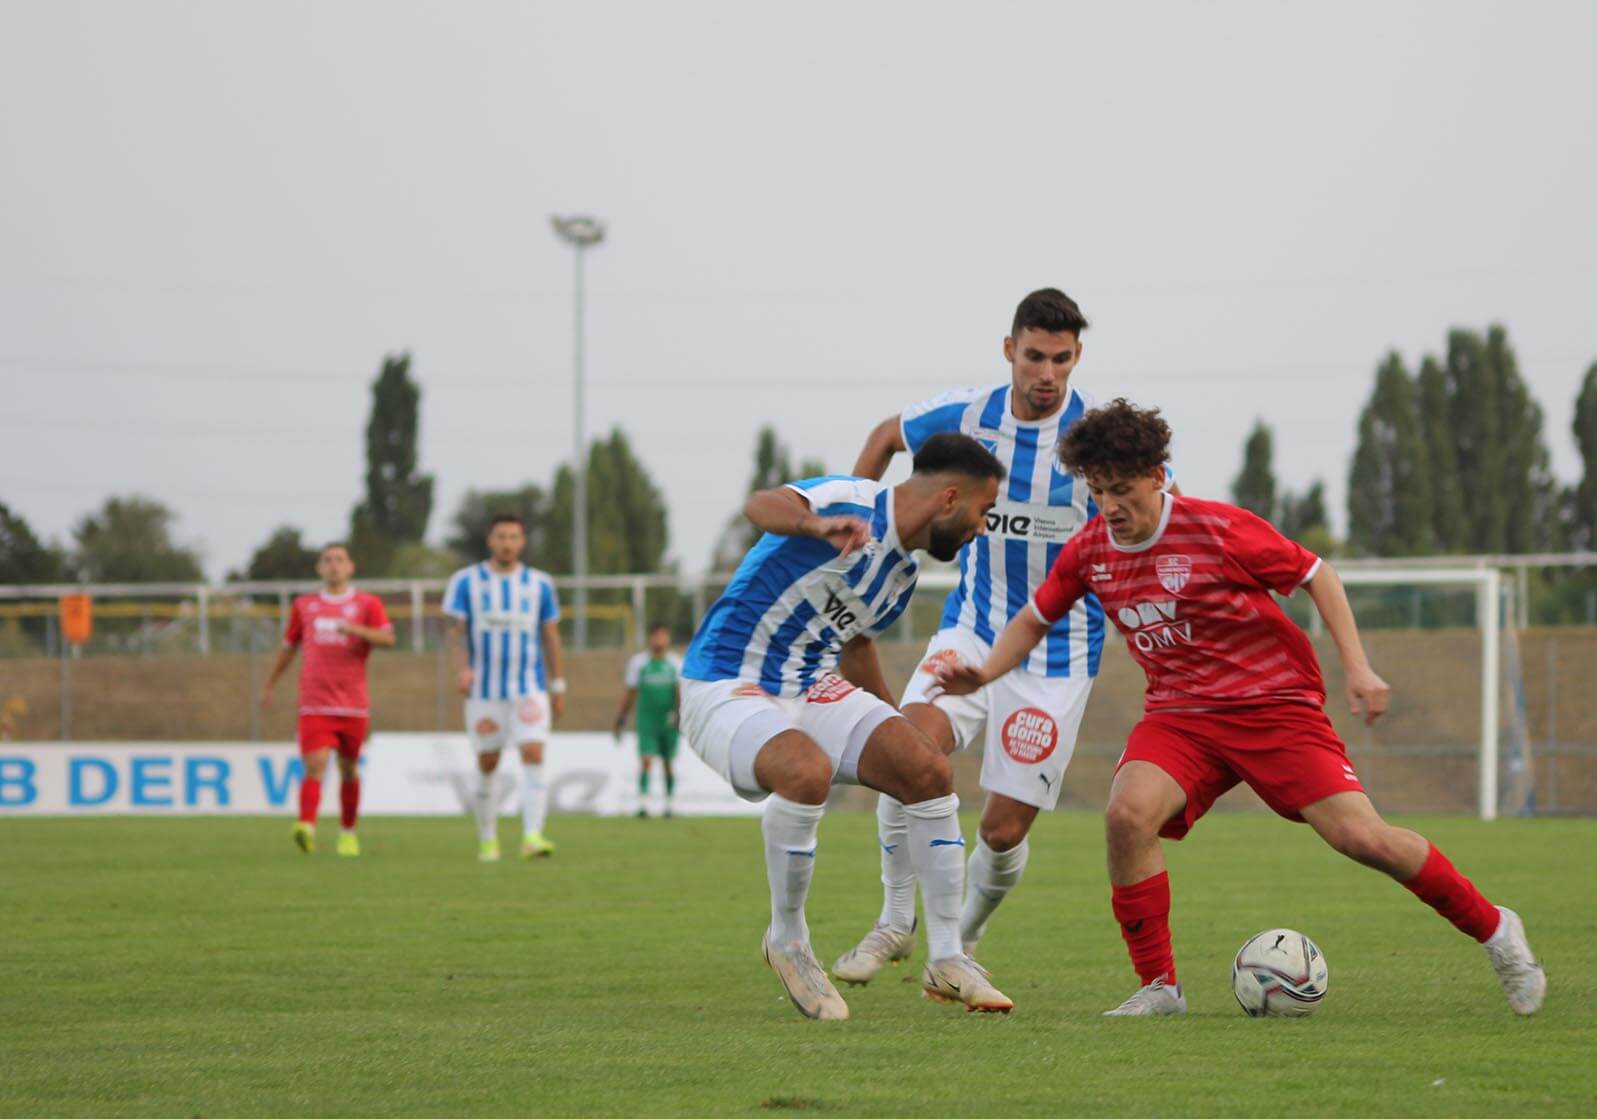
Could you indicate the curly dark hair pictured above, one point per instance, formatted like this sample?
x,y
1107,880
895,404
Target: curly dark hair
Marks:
x,y
1118,439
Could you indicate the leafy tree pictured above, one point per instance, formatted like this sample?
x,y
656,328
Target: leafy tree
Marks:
x,y
1449,523
1389,487
285,555
773,465
398,499
23,559
1254,488
1301,515
130,541
1582,500
628,528
420,561
479,507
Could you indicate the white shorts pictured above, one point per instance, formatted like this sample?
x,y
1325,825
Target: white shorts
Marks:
x,y
497,724
1026,724
727,721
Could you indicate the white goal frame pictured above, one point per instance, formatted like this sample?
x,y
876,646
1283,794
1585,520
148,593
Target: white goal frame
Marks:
x,y
1489,587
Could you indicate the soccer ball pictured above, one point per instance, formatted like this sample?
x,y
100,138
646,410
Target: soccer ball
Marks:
x,y
1279,973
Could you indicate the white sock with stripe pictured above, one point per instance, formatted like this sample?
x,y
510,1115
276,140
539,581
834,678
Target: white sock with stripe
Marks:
x,y
534,798
991,876
790,831
898,869
938,855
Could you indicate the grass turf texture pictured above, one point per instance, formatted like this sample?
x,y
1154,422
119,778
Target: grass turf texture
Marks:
x,y
204,967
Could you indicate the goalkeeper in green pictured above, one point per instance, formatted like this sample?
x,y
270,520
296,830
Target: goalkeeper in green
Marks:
x,y
651,682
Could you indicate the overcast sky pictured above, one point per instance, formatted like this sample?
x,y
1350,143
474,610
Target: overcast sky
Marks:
x,y
216,218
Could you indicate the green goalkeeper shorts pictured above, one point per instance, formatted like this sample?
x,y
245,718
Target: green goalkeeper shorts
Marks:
x,y
657,741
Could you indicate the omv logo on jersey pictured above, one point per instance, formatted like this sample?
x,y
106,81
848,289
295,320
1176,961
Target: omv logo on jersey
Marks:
x,y
1153,625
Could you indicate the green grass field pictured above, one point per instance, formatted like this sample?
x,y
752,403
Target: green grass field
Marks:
x,y
205,968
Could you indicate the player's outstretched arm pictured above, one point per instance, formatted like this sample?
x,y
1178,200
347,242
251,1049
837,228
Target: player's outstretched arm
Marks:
x,y
885,440
861,667
285,657
1367,694
1019,638
784,511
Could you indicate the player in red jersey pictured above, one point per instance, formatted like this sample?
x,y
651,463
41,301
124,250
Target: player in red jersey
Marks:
x,y
1234,694
337,629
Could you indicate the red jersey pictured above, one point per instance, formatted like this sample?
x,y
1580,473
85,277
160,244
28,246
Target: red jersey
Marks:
x,y
1193,602
332,681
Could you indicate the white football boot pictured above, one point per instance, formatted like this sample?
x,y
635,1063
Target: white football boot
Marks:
x,y
883,945
804,981
1518,970
962,979
1157,997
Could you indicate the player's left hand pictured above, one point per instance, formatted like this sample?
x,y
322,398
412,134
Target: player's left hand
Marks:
x,y
1367,694
959,678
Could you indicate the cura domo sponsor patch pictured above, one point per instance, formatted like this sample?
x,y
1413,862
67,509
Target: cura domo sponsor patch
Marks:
x,y
829,689
1029,735
530,709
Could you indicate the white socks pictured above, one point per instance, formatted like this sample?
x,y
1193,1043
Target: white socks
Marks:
x,y
938,855
991,876
485,807
534,798
898,870
790,838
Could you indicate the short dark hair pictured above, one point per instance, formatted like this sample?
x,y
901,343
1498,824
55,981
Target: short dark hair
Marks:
x,y
951,453
1118,438
658,626
506,519
1050,310
330,545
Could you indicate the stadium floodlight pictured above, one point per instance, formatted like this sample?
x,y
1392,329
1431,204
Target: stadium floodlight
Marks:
x,y
582,233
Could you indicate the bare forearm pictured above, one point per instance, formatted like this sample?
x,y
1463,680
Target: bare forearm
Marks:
x,y
285,657
371,635
1330,599
1019,638
553,654
861,666
626,706
780,511
884,441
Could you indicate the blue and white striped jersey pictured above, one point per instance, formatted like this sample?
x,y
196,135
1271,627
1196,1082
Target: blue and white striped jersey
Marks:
x,y
794,603
1040,506
504,616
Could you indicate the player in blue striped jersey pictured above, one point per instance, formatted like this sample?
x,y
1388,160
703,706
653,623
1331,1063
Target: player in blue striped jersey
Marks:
x,y
1025,723
506,640
783,696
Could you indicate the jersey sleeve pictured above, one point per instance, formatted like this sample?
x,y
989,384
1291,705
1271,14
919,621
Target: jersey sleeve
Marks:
x,y
1261,556
377,614
634,670
838,495
295,633
1063,586
919,422
457,597
548,604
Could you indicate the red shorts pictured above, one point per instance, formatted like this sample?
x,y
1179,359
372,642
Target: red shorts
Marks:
x,y
344,733
1289,755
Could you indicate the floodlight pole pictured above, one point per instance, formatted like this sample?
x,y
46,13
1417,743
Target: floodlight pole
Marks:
x,y
581,233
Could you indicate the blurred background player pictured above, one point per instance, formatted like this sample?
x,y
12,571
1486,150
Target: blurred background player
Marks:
x,y
652,683
783,695
1026,723
506,641
337,629
1234,694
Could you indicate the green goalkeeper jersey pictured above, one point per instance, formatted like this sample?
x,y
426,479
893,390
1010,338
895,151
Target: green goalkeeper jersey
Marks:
x,y
655,678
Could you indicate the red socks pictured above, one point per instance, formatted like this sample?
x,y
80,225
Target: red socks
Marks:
x,y
1440,886
1143,911
349,802
310,800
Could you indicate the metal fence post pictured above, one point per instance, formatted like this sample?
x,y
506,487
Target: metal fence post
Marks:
x,y
205,621
640,612
66,691
418,640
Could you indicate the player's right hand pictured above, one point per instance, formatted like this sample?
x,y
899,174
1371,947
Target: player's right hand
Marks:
x,y
958,678
843,533
465,681
266,698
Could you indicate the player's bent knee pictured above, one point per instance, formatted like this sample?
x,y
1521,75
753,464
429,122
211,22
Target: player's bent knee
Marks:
x,y
1004,835
1363,844
932,776
1130,817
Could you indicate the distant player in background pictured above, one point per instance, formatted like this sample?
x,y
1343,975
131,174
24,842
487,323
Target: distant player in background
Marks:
x,y
337,629
506,641
1234,694
652,683
1025,724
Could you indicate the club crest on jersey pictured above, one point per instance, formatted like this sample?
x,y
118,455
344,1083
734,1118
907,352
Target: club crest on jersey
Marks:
x,y
829,689
988,439
943,656
1174,572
